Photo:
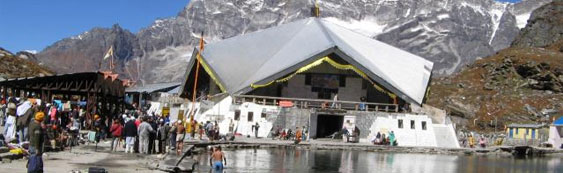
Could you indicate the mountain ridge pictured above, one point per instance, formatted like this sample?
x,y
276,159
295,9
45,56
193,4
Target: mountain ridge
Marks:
x,y
447,32
519,84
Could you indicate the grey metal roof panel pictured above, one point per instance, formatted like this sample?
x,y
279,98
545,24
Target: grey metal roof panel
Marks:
x,y
237,58
404,71
271,53
176,90
152,87
309,42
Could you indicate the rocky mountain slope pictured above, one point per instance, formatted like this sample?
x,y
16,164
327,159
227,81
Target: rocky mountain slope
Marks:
x,y
450,33
85,51
523,83
20,65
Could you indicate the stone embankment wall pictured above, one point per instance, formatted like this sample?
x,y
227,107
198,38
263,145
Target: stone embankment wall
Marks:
x,y
409,129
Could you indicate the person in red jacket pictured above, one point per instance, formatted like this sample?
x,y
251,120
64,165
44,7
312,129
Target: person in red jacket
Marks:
x,y
115,131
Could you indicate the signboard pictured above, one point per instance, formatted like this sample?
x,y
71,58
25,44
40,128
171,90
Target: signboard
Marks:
x,y
285,103
165,111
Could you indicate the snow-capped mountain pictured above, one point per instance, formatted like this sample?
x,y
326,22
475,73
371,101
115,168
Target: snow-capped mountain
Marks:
x,y
451,33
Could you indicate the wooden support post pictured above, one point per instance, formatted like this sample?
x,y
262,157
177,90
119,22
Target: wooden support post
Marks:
x,y
49,96
44,97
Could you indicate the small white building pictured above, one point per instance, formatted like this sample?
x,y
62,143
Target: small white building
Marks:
x,y
556,133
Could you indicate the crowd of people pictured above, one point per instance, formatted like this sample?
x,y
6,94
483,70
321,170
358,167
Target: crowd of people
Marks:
x,y
32,126
154,134
287,134
471,142
382,139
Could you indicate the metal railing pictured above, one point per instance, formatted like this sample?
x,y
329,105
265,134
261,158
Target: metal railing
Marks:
x,y
316,103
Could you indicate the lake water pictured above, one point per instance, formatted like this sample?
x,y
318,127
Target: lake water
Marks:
x,y
301,160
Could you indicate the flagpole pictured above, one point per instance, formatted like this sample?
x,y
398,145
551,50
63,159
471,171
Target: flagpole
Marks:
x,y
194,94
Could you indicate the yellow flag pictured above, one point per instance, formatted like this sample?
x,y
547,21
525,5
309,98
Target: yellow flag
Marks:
x,y
109,53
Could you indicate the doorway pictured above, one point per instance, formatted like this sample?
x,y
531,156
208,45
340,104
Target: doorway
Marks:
x,y
328,124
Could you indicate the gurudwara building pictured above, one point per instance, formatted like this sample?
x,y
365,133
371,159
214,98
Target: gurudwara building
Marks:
x,y
315,74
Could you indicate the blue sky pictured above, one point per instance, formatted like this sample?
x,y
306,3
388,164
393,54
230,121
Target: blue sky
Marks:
x,y
35,24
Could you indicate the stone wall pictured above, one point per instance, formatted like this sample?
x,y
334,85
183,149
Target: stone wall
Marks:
x,y
364,121
292,117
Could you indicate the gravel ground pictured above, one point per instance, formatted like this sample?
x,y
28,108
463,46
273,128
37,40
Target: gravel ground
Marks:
x,y
84,156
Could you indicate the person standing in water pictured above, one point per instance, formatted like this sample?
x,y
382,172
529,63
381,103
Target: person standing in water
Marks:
x,y
216,160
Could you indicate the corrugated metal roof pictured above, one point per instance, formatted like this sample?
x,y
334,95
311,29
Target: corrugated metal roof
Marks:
x,y
535,126
263,56
157,87
176,90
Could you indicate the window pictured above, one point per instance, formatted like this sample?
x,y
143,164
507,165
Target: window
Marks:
x,y
412,124
250,116
307,79
263,115
237,115
423,125
400,124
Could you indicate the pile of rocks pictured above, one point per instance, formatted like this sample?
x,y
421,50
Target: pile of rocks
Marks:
x,y
538,76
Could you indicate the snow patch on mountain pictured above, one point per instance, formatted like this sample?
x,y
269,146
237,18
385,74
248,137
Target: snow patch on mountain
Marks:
x,y
522,20
367,27
443,16
80,36
30,51
496,15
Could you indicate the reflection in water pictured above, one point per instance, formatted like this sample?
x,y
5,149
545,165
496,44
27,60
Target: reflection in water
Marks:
x,y
300,160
